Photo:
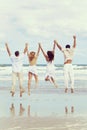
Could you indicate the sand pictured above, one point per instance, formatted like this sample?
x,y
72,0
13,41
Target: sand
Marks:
x,y
44,123
44,109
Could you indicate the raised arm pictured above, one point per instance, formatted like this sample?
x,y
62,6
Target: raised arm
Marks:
x,y
26,47
53,48
43,51
74,43
8,50
37,54
55,42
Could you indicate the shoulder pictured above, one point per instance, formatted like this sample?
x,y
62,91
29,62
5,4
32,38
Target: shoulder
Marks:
x,y
73,48
22,55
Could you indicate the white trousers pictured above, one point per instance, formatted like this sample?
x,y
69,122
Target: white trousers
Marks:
x,y
68,75
16,75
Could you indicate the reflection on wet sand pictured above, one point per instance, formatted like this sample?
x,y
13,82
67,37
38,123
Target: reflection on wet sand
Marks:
x,y
67,109
23,110
28,110
12,109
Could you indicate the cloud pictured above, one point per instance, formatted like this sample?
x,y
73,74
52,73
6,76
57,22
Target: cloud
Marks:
x,y
43,17
37,20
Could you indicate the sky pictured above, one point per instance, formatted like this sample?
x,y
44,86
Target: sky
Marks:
x,y
43,21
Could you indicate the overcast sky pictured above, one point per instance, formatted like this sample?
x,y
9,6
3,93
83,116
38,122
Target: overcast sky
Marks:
x,y
43,21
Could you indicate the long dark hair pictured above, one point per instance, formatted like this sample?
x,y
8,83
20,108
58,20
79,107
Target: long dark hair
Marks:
x,y
50,55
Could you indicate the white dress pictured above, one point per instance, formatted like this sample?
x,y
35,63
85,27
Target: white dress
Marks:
x,y
33,69
50,70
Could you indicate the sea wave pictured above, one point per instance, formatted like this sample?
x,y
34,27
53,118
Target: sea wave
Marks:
x,y
7,69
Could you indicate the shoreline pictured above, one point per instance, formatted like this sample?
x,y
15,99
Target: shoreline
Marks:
x,y
46,123
43,111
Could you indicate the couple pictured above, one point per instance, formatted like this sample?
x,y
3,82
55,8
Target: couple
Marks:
x,y
68,53
49,56
16,60
17,71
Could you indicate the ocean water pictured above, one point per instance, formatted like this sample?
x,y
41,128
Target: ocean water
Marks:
x,y
80,73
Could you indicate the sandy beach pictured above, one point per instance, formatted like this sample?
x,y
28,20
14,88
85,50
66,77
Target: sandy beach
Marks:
x,y
47,108
44,109
44,123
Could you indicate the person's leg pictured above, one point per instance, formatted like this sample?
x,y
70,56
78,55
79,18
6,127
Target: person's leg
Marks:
x,y
36,80
29,82
20,79
66,77
14,77
47,78
71,74
53,81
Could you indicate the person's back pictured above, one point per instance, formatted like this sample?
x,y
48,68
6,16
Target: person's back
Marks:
x,y
68,54
32,58
68,69
16,68
17,62
50,68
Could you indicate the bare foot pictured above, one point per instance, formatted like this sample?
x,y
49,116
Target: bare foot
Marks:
x,y
66,89
12,93
22,91
72,90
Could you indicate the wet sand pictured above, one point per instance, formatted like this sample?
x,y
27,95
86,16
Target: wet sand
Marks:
x,y
44,109
44,123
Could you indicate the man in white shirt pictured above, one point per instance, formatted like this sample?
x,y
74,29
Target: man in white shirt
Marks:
x,y
17,68
68,69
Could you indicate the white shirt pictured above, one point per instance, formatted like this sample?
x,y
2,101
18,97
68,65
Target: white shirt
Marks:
x,y
17,62
68,53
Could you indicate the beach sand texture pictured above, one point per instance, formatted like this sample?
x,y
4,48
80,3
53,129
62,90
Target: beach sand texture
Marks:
x,y
43,111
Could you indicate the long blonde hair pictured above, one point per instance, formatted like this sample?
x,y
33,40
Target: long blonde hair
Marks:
x,y
31,55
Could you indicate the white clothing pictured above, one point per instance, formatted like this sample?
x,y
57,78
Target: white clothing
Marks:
x,y
17,63
68,73
17,70
68,53
50,70
33,69
20,79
